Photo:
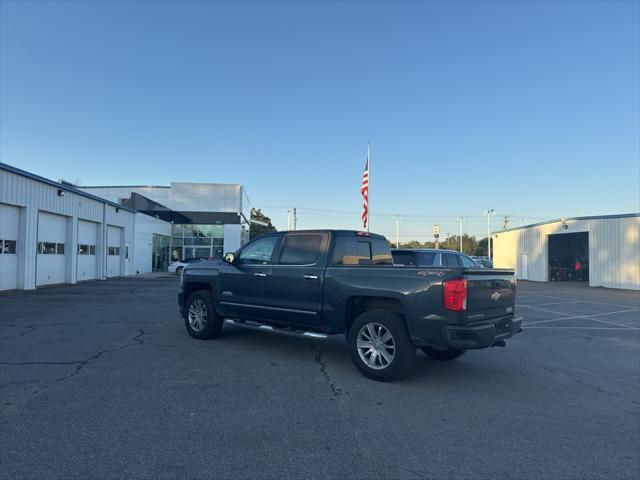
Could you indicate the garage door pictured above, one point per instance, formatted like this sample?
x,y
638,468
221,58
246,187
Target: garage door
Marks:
x,y
87,259
8,247
114,243
52,238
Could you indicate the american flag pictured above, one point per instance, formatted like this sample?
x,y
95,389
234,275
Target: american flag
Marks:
x,y
364,190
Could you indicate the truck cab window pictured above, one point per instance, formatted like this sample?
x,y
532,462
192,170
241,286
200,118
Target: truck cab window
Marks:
x,y
301,250
381,254
356,251
450,260
427,259
259,252
348,251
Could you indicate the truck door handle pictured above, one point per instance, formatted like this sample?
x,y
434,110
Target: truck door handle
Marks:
x,y
310,277
259,274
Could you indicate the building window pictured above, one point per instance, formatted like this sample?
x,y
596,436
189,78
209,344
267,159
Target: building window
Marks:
x,y
8,247
191,240
86,249
177,230
114,251
50,248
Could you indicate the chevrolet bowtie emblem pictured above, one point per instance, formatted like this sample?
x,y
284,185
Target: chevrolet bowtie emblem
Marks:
x,y
495,296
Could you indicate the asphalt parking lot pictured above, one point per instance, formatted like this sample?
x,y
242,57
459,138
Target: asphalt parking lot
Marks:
x,y
101,380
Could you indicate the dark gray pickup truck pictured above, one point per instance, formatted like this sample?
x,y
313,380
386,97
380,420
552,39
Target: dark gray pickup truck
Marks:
x,y
322,282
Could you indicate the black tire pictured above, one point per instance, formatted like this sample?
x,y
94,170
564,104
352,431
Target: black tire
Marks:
x,y
444,355
179,270
210,324
404,351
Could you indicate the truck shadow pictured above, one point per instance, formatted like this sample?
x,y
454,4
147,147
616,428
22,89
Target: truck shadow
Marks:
x,y
471,370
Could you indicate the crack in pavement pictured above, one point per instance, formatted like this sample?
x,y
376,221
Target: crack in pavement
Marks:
x,y
80,364
335,391
155,303
29,329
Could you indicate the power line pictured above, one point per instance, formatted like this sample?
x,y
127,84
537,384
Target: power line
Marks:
x,y
453,217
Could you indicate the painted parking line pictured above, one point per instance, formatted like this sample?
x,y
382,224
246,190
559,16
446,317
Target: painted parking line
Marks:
x,y
589,317
545,310
576,328
565,300
548,304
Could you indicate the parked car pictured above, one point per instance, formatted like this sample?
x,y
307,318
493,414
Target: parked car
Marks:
x,y
430,257
178,266
323,282
487,262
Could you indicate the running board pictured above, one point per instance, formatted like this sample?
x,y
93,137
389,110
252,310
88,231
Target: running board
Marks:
x,y
286,331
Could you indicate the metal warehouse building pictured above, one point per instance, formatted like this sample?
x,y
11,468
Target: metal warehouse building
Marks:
x,y
53,233
603,251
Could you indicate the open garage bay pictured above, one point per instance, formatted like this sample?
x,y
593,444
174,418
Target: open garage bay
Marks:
x,y
101,380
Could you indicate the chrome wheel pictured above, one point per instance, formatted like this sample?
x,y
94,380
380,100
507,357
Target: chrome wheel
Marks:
x,y
376,346
197,315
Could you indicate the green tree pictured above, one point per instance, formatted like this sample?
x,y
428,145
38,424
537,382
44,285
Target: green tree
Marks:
x,y
481,250
260,223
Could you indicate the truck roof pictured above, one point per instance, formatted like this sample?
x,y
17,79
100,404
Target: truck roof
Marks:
x,y
335,232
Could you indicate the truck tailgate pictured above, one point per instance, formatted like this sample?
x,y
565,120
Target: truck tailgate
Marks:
x,y
491,292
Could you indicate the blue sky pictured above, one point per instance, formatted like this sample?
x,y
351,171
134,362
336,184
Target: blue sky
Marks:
x,y
529,108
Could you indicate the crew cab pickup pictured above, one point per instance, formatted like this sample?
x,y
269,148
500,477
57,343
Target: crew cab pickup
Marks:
x,y
322,282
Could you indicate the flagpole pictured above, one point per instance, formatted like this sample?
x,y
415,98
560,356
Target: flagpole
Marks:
x,y
369,187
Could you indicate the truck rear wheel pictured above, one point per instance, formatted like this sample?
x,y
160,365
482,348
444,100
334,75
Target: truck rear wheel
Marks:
x,y
380,346
200,317
448,354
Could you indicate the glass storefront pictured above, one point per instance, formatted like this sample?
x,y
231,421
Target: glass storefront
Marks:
x,y
161,253
190,240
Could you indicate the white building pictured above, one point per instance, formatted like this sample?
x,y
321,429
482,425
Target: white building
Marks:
x,y
207,219
53,233
607,249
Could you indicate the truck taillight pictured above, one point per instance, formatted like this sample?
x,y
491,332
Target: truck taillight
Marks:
x,y
454,294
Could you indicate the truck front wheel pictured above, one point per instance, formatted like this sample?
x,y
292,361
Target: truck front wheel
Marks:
x,y
380,346
448,354
200,317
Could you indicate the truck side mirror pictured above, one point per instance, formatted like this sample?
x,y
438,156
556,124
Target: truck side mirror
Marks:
x,y
229,258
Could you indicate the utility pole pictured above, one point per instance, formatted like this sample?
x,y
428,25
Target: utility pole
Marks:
x,y
446,242
397,218
295,218
461,219
288,220
436,235
489,214
505,222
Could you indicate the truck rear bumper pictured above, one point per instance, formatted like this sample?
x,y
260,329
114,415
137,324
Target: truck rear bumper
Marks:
x,y
482,334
